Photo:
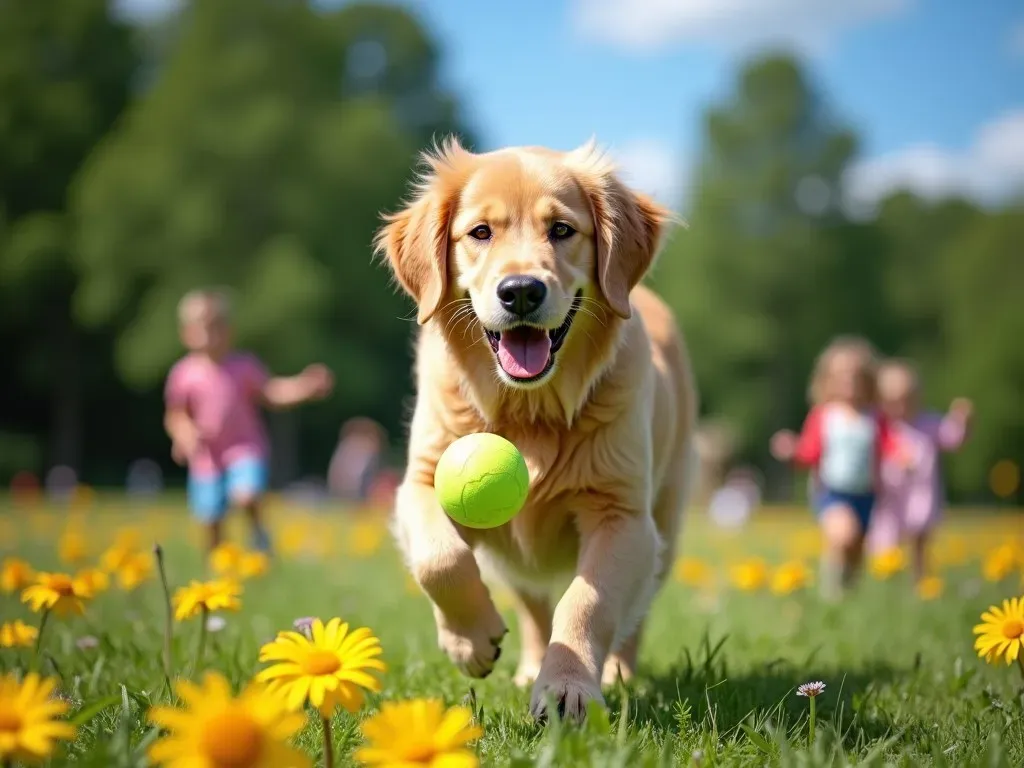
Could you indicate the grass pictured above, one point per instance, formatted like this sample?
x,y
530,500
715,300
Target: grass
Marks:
x,y
719,666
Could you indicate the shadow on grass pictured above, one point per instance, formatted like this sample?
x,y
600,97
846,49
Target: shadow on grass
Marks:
x,y
700,692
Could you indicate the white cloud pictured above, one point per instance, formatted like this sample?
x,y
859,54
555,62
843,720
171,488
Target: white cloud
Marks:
x,y
988,171
1017,40
807,25
654,167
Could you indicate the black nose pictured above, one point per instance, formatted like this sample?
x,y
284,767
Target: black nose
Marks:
x,y
521,294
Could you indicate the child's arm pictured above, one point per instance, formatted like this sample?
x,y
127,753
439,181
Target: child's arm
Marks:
x,y
177,422
315,382
955,425
803,449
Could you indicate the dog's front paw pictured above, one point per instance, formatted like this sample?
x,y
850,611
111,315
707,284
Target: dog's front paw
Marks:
x,y
473,648
566,685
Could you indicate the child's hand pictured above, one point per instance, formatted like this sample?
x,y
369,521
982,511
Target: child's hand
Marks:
x,y
319,379
783,445
183,447
961,408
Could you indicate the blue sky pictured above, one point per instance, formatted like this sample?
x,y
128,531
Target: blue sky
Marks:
x,y
935,88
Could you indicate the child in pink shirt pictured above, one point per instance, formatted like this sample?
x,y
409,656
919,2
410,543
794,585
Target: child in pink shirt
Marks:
x,y
213,396
843,441
910,502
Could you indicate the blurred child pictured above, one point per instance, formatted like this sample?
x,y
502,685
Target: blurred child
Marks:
x,y
356,459
213,396
843,442
910,502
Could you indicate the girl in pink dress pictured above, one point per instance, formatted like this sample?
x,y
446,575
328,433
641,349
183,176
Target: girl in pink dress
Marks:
x,y
911,498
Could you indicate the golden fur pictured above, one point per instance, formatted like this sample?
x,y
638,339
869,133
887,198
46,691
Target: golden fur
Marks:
x,y
606,434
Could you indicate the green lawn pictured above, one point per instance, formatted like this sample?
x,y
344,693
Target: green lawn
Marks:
x,y
719,667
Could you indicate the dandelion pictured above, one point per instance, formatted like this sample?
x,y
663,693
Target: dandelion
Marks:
x,y
204,596
419,732
201,597
1002,632
134,569
225,558
72,548
692,572
750,575
366,538
253,564
887,564
57,592
28,724
811,691
790,577
94,579
17,634
125,548
1001,562
215,623
15,575
930,588
219,730
330,669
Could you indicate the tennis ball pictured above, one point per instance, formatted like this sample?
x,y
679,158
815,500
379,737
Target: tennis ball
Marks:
x,y
481,481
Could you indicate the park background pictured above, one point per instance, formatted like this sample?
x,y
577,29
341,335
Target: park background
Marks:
x,y
842,167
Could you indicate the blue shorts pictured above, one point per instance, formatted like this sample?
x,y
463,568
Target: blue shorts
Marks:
x,y
209,496
860,503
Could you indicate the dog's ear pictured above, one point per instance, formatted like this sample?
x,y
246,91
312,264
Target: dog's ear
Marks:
x,y
415,239
627,226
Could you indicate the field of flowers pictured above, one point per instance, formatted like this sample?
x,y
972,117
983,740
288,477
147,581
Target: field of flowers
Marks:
x,y
120,646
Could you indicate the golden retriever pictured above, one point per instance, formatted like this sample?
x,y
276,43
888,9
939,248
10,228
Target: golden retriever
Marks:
x,y
524,264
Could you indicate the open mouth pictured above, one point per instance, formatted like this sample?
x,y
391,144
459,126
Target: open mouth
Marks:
x,y
526,352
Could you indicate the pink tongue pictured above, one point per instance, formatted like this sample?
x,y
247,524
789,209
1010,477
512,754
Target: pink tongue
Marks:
x,y
524,352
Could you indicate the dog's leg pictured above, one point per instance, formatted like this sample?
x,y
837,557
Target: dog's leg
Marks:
x,y
469,627
614,583
535,629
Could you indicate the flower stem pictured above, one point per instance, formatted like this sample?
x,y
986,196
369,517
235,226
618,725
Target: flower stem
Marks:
x,y
39,639
328,744
201,645
810,732
158,551
1020,663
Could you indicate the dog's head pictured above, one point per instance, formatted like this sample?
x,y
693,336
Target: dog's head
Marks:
x,y
526,240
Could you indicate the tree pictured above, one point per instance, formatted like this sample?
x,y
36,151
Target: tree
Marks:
x,y
756,278
65,75
259,160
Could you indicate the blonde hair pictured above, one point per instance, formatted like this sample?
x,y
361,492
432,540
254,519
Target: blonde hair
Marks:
x,y
900,365
201,299
818,393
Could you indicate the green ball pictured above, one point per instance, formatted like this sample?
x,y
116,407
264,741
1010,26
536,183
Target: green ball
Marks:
x,y
481,481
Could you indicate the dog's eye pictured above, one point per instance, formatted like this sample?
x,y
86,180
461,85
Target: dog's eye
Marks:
x,y
561,231
481,232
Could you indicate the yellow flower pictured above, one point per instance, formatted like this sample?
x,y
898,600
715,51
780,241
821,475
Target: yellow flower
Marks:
x,y
218,730
94,579
929,588
134,570
72,547
1002,632
15,575
692,572
1001,562
750,575
57,592
211,595
329,670
790,577
253,564
225,558
17,633
951,551
887,564
366,538
125,547
293,539
420,732
28,729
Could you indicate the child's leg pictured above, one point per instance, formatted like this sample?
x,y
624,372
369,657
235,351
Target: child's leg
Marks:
x,y
919,543
843,547
207,498
247,482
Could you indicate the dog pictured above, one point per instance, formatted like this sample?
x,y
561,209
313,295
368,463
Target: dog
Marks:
x,y
525,266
